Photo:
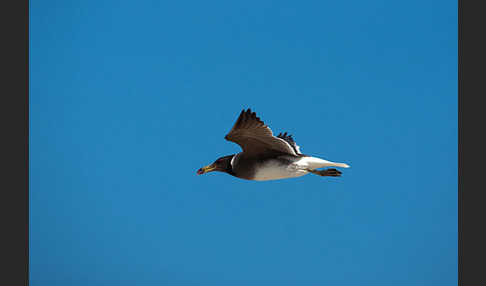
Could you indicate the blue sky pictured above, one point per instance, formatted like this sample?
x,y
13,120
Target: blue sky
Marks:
x,y
129,98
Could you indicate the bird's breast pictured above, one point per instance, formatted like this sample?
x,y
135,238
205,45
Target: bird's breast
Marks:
x,y
276,169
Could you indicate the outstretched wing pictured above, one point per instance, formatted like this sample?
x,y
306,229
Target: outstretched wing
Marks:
x,y
291,141
254,137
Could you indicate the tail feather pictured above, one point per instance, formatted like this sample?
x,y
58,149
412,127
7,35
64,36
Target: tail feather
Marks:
x,y
342,165
315,163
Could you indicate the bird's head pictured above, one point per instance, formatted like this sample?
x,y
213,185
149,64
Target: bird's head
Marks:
x,y
222,164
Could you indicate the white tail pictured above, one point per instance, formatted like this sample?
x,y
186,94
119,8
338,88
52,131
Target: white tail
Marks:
x,y
314,163
342,165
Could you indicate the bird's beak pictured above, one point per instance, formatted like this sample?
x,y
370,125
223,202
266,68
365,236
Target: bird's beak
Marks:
x,y
206,169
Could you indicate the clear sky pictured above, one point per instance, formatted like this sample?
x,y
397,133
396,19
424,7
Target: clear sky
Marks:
x,y
129,98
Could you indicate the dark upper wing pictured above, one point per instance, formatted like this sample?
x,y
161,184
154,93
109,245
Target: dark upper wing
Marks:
x,y
291,141
255,137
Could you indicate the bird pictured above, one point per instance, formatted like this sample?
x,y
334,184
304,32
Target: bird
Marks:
x,y
267,157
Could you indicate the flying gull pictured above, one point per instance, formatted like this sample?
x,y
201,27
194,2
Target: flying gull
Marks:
x,y
265,156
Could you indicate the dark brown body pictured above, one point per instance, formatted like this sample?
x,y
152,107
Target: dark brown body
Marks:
x,y
245,166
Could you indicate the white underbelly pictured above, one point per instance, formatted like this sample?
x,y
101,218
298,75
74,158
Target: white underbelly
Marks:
x,y
273,170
